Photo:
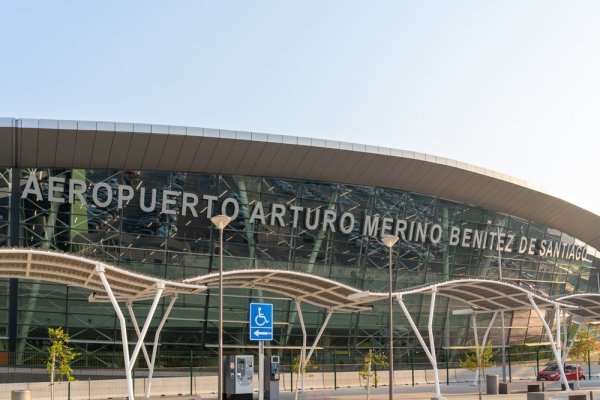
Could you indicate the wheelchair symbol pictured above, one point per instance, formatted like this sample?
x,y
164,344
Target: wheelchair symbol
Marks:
x,y
260,319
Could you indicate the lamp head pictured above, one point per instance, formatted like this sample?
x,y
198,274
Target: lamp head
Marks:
x,y
389,240
221,221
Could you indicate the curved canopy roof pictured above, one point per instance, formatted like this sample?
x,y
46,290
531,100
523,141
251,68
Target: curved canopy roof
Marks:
x,y
311,289
31,143
588,304
485,295
480,294
81,272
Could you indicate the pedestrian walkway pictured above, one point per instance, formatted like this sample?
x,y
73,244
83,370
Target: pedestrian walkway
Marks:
x,y
458,391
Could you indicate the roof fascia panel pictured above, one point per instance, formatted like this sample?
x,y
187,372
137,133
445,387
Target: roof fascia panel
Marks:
x,y
137,150
267,157
7,149
202,157
172,150
120,149
154,150
65,148
103,141
47,139
253,153
220,156
287,158
187,153
84,148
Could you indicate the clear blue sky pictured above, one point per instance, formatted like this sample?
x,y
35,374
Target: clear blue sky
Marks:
x,y
512,86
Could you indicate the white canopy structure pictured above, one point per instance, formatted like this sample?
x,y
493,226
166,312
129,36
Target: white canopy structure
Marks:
x,y
107,283
585,306
299,286
483,295
311,289
588,304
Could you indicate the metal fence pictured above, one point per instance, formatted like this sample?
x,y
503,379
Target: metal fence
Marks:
x,y
30,366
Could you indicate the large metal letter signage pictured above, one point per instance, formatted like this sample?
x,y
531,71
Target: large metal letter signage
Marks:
x,y
261,321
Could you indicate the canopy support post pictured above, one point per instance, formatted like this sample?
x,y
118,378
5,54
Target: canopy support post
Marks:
x,y
155,345
137,330
430,355
564,342
312,349
100,271
484,341
557,356
436,377
302,363
161,286
503,338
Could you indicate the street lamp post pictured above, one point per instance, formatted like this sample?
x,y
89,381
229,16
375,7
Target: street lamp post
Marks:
x,y
390,241
220,221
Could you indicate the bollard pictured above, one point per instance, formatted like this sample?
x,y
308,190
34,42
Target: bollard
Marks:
x,y
20,395
504,388
534,388
491,384
334,372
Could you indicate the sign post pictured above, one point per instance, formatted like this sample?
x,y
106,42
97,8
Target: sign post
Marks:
x,y
261,329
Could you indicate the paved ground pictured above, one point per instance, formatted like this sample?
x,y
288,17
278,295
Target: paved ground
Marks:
x,y
459,391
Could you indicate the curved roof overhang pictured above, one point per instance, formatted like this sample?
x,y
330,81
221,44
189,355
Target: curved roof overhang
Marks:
x,y
480,294
84,144
82,272
483,295
320,292
587,304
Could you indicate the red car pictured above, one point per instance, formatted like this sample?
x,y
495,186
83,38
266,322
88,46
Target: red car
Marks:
x,y
552,373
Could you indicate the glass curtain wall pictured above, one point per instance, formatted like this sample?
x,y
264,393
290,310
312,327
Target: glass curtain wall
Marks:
x,y
183,245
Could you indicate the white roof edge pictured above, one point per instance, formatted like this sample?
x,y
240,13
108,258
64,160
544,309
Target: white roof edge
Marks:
x,y
275,138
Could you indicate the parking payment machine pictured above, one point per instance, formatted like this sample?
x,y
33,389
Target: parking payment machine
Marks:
x,y
274,368
271,382
238,377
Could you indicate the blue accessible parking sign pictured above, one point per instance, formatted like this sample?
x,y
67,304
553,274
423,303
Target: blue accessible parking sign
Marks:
x,y
261,321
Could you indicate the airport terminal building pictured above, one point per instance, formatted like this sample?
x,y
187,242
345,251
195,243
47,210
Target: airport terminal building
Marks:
x,y
140,197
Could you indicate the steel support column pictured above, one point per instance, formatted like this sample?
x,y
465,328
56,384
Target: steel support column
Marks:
x,y
313,347
428,352
302,363
484,341
137,330
130,360
100,271
155,345
557,356
150,360
436,377
477,352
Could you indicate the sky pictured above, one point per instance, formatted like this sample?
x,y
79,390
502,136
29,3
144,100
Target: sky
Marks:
x,y
512,86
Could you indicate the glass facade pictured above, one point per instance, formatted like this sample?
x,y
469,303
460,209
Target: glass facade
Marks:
x,y
118,216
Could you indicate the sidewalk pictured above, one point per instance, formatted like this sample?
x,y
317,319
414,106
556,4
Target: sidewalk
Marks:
x,y
457,391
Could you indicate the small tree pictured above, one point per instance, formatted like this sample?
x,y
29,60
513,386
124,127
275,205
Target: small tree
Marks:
x,y
584,344
296,369
372,358
60,356
308,366
478,361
